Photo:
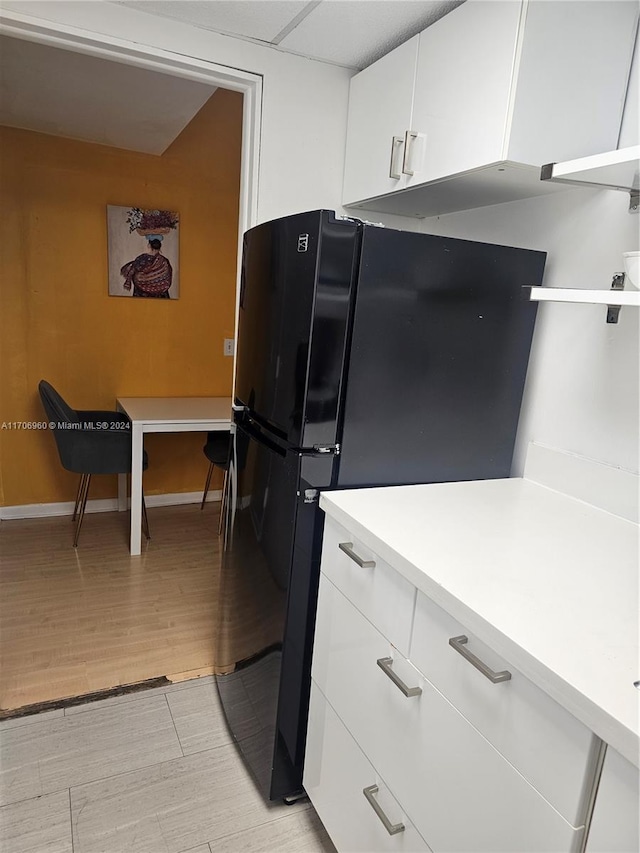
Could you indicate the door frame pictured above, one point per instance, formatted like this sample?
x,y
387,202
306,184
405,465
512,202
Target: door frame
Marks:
x,y
55,34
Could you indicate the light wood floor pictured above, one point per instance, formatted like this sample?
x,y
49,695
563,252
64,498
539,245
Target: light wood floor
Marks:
x,y
75,621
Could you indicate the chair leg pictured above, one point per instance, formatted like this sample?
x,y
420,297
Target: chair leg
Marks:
x,y
145,520
81,507
223,500
79,492
207,484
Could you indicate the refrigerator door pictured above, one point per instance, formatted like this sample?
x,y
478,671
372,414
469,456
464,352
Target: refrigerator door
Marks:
x,y
438,360
295,293
266,601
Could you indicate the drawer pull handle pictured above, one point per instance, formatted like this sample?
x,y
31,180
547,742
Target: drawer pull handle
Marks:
x,y
385,666
347,547
392,828
458,643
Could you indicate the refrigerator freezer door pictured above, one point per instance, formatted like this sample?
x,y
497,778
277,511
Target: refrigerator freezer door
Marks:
x,y
266,607
297,275
439,353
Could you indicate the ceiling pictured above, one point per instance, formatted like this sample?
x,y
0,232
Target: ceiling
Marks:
x,y
353,33
82,97
59,92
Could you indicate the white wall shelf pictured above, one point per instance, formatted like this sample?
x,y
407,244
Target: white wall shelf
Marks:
x,y
616,170
613,299
594,297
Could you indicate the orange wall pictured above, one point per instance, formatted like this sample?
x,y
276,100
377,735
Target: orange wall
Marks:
x,y
57,321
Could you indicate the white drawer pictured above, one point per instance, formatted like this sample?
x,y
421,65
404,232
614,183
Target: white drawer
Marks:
x,y
460,793
379,592
540,738
335,776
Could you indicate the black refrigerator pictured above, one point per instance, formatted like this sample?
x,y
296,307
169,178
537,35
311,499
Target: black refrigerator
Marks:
x,y
366,356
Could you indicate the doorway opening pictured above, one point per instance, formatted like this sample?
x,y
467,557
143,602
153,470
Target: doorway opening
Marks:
x,y
70,606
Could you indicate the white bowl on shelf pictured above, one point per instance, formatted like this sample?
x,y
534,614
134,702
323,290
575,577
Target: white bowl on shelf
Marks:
x,y
632,268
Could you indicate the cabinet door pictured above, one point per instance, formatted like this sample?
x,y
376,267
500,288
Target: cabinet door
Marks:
x,y
572,79
463,85
379,110
616,816
335,776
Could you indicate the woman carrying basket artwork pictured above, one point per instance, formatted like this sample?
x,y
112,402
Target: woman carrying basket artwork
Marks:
x,y
150,273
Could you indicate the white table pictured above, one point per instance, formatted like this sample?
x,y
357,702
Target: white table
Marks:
x,y
163,414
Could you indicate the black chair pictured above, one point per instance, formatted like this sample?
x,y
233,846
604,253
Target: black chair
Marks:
x,y
218,452
87,447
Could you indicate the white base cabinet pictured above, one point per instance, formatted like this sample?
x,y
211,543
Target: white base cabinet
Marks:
x,y
458,790
615,826
465,757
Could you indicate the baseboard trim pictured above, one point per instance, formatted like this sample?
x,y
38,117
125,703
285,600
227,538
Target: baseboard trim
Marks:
x,y
102,505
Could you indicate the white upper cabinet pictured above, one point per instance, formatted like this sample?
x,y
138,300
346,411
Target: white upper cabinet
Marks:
x,y
572,79
463,82
500,88
380,101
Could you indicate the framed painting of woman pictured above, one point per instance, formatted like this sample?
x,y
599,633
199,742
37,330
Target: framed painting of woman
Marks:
x,y
143,252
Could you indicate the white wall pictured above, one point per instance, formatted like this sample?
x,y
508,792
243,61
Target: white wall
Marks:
x,y
582,386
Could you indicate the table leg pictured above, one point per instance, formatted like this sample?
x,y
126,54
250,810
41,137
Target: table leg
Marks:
x,y
122,492
136,487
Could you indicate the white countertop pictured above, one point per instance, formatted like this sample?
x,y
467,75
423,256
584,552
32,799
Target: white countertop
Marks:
x,y
550,582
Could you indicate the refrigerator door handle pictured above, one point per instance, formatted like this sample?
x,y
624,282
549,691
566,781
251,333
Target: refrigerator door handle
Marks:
x,y
257,435
320,450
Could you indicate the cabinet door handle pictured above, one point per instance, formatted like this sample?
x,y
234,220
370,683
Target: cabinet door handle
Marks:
x,y
396,144
385,665
458,643
409,139
347,547
392,828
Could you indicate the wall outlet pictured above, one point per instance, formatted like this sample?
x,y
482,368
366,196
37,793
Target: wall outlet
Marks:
x,y
229,346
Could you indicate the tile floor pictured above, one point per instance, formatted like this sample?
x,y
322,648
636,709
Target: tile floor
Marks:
x,y
148,772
